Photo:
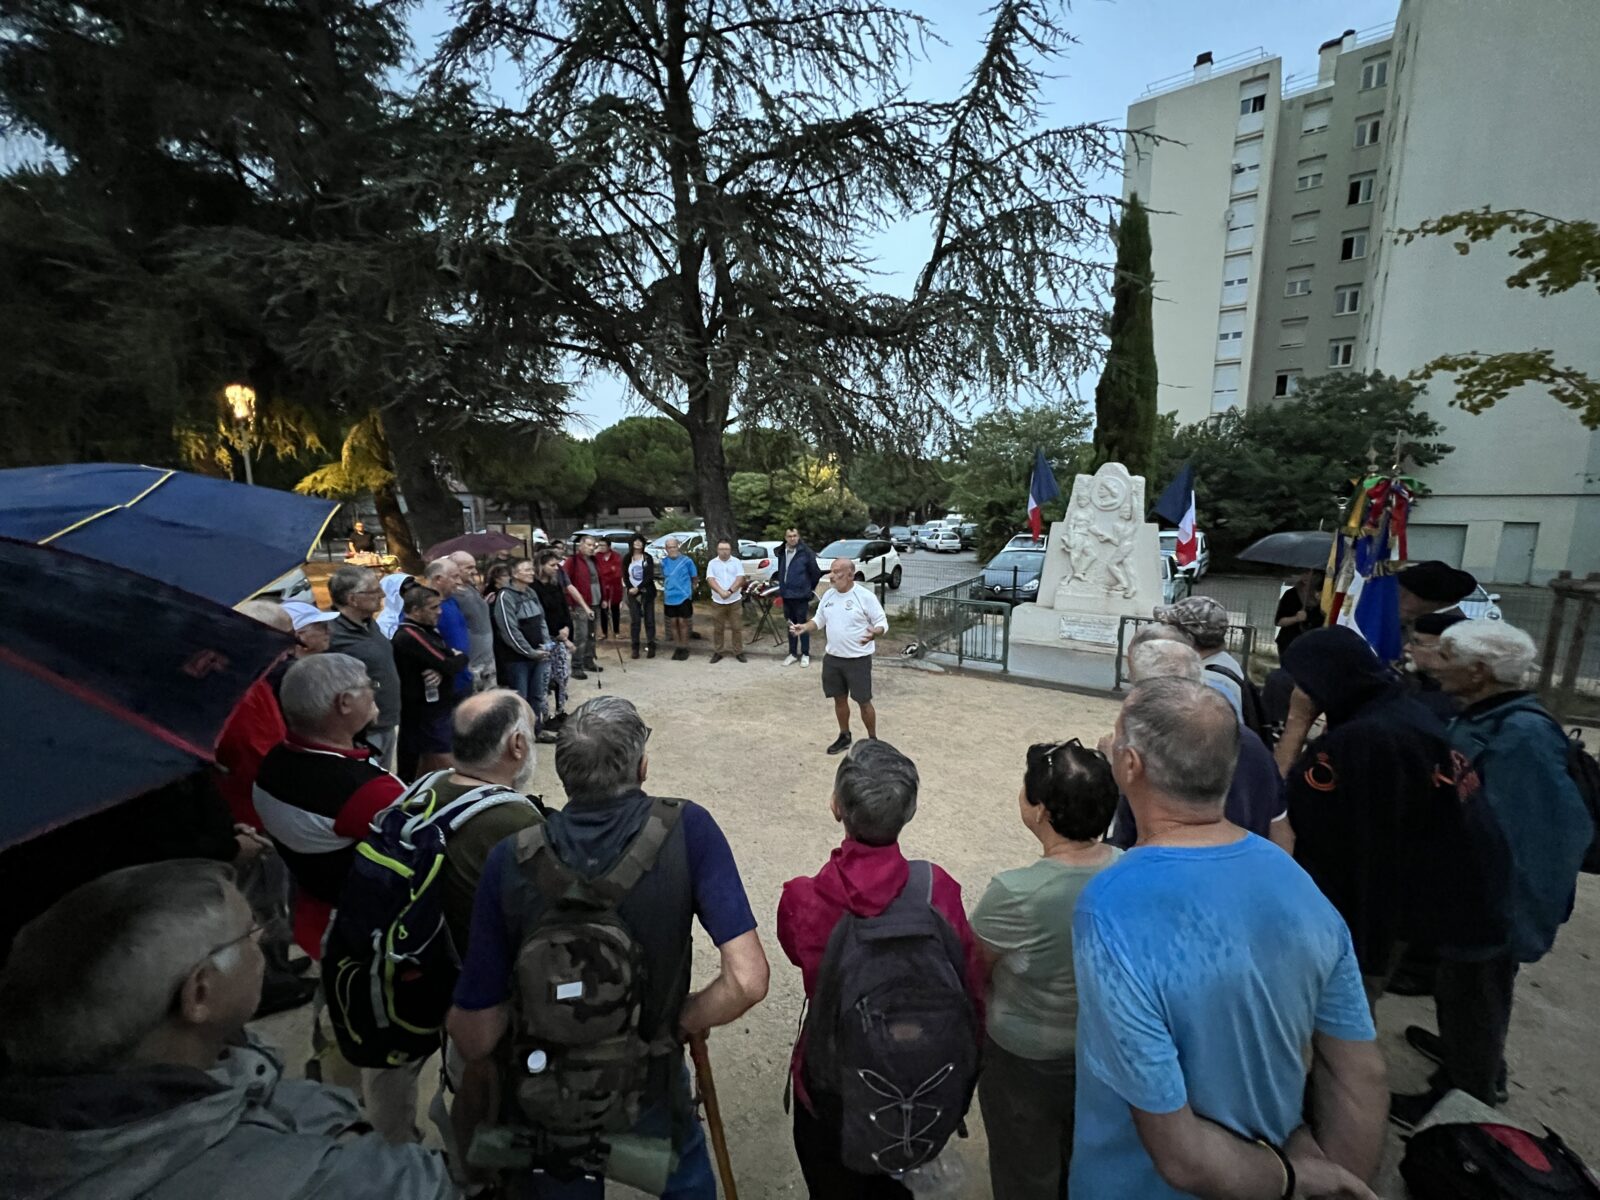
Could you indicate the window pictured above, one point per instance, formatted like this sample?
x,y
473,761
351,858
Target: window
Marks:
x,y
1353,245
1230,335
1252,104
1347,300
1374,73
1360,190
1286,383
1299,282
1246,166
1241,224
1292,333
1341,352
1367,129
1224,387
1315,117
1303,227
1235,280
1309,174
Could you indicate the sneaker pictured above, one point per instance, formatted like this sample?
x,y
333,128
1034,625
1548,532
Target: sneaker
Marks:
x,y
1425,1042
840,743
578,673
740,658
790,660
717,657
1408,1111
650,652
805,660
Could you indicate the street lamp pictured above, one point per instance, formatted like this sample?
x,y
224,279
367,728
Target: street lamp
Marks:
x,y
242,400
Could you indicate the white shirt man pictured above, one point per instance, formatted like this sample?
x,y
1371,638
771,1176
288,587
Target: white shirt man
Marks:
x,y
853,619
725,574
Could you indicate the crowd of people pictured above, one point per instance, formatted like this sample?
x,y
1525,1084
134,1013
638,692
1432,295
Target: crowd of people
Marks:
x,y
1133,1010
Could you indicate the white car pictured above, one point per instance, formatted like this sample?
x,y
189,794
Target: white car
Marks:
x,y
1483,605
947,538
291,585
689,541
875,559
760,560
929,534
1175,582
1026,541
1202,556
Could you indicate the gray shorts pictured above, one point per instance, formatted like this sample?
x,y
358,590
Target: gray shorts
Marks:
x,y
853,675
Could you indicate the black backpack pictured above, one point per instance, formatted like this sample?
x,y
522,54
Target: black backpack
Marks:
x,y
579,1062
1252,707
1585,774
891,1035
1493,1162
389,964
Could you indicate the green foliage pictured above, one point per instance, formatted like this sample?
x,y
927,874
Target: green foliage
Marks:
x,y
763,450
826,516
893,485
760,504
643,461
1560,255
1125,397
364,465
991,485
548,472
1286,466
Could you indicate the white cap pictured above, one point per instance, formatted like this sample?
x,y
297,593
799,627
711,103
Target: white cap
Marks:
x,y
303,614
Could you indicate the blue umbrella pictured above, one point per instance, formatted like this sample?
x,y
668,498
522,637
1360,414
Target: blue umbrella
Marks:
x,y
111,684
224,541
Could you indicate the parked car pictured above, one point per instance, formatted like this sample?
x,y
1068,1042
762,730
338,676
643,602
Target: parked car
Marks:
x,y
760,559
873,530
291,585
1011,575
945,538
1175,583
1483,605
620,539
690,541
927,534
969,534
875,559
1202,561
1026,541
901,537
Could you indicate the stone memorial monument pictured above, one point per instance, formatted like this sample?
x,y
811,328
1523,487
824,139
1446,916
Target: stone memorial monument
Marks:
x,y
1102,563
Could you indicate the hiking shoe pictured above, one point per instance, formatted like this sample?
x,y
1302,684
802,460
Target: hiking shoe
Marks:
x,y
740,658
717,657
790,660
805,660
1408,1111
579,673
1425,1042
680,654
650,652
840,743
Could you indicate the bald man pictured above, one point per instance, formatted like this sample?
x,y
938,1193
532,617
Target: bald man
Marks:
x,y
480,627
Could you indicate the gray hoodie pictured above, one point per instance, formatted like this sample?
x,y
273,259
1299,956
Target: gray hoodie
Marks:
x,y
240,1131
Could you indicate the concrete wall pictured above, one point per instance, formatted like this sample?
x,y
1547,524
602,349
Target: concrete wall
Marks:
x,y
1493,104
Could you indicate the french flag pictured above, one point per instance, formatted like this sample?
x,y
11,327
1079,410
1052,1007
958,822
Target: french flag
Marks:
x,y
1177,506
1042,490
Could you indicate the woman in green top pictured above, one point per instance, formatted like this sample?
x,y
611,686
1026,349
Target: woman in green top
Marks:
x,y
1024,927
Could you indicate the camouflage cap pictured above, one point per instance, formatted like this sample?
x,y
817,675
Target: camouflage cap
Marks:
x,y
1201,617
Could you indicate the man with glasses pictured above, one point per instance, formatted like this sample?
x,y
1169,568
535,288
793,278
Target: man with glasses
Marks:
x,y
358,596
130,1071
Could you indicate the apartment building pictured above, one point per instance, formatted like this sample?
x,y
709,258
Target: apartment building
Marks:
x,y
1298,272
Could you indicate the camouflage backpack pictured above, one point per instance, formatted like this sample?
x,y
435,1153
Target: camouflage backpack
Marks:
x,y
579,1063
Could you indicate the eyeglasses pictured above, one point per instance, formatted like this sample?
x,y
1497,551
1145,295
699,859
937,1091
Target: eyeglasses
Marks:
x,y
1049,755
276,928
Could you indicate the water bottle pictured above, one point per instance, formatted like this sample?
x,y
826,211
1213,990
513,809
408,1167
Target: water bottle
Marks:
x,y
430,693
944,1178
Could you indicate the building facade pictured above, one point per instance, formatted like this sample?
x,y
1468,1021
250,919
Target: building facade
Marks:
x,y
1451,109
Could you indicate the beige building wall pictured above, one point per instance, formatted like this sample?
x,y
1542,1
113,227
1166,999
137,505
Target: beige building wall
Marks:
x,y
1492,104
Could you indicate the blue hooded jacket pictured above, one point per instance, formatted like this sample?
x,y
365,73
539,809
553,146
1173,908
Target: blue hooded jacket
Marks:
x,y
802,581
1520,757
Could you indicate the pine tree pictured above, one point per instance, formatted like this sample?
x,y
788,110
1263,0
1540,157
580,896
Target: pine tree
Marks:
x,y
1125,397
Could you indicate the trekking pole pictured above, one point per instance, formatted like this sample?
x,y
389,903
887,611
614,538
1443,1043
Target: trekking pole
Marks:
x,y
708,1093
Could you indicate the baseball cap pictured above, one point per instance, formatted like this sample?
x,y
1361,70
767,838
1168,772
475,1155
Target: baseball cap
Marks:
x,y
1201,617
303,614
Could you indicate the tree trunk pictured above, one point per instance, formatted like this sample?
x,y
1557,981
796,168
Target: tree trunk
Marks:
x,y
434,513
711,481
396,531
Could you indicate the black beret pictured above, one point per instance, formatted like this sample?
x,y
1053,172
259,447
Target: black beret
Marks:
x,y
1436,581
1436,623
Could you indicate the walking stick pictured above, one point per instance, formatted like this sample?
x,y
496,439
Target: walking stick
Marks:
x,y
708,1093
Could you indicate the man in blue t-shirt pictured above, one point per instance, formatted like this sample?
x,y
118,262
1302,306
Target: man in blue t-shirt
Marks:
x,y
1207,964
601,760
678,574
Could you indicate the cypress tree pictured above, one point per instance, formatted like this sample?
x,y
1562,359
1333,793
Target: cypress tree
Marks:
x,y
1125,397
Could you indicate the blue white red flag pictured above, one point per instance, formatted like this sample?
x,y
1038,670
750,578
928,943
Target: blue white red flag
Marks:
x,y
1042,490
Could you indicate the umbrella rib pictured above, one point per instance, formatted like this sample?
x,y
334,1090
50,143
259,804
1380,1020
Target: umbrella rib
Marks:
x,y
105,511
80,692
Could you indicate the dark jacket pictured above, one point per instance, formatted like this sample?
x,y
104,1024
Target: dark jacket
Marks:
x,y
418,648
553,599
648,587
519,623
367,643
1517,755
806,572
1376,812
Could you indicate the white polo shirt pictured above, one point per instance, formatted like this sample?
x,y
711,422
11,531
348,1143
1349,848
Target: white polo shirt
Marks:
x,y
846,617
727,574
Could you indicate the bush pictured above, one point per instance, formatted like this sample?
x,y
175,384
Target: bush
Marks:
x,y
824,517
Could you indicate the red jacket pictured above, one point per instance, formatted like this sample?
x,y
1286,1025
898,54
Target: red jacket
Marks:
x,y
254,727
610,564
863,880
577,569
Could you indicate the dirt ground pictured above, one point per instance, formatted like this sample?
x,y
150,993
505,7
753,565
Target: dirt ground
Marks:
x,y
746,741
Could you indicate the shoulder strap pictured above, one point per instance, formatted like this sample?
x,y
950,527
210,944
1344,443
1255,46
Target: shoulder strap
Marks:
x,y
918,891
1226,673
557,881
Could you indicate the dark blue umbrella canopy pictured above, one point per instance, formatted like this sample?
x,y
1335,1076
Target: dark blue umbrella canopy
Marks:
x,y
111,683
224,541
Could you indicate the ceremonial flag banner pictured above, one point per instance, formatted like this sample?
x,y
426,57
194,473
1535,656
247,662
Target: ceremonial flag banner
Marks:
x,y
1366,594
1042,490
1176,506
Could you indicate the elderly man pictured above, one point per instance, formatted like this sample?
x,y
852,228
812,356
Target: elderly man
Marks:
x,y
1513,760
444,577
1207,967
480,628
1255,797
680,869
310,627
358,597
678,574
1205,623
588,595
129,1071
853,620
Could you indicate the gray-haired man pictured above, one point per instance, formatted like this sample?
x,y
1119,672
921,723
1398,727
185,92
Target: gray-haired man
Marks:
x,y
1207,964
480,628
129,1070
601,760
357,594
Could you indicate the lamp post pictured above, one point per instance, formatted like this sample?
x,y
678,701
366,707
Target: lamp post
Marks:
x,y
242,400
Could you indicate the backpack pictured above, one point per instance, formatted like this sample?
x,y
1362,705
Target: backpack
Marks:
x,y
1493,1162
1252,707
579,1062
389,964
1584,772
892,1034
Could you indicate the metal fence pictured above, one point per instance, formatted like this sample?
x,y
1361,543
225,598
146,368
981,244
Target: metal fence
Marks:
x,y
1241,643
950,621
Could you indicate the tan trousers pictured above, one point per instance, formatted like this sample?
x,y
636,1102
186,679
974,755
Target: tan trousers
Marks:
x,y
727,616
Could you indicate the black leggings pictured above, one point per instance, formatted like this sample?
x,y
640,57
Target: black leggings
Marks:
x,y
645,609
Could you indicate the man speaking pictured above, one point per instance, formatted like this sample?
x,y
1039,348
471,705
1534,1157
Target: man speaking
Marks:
x,y
853,620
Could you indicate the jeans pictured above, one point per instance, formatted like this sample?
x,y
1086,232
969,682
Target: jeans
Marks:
x,y
731,618
530,679
1473,1001
797,611
1028,1106
644,611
